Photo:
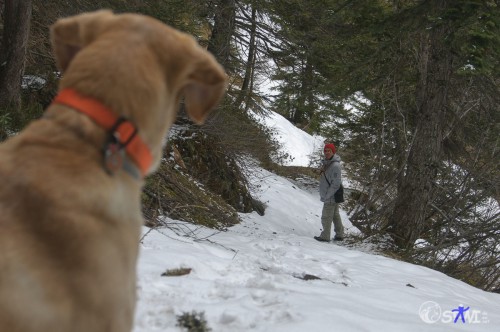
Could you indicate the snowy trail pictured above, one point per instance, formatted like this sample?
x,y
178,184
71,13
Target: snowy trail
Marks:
x,y
249,278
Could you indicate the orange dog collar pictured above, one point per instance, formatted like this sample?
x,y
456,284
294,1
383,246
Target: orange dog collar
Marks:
x,y
122,133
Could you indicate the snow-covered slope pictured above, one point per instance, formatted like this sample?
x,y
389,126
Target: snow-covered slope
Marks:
x,y
251,277
299,145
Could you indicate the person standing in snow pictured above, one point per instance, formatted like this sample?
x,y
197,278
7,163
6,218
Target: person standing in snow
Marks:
x,y
330,181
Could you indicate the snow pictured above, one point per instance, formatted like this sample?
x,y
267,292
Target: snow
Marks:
x,y
33,82
250,277
297,143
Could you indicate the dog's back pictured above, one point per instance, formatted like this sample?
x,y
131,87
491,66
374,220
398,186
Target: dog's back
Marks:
x,y
67,262
69,230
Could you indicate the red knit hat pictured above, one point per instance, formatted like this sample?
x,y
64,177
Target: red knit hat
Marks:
x,y
331,147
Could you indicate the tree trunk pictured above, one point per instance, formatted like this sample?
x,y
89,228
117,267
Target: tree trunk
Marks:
x,y
17,17
407,221
302,115
249,94
244,92
222,32
310,107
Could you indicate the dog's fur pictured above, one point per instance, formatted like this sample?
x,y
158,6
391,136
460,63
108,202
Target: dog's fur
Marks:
x,y
69,231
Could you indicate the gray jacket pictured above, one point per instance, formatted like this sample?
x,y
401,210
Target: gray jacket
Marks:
x,y
332,171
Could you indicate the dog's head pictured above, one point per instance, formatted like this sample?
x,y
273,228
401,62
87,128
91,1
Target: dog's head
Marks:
x,y
139,67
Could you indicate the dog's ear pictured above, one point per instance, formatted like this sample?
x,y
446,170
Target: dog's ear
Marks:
x,y
69,35
205,87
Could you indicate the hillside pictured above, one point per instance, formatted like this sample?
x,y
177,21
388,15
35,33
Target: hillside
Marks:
x,y
268,274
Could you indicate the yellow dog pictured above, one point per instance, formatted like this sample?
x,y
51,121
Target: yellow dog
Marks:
x,y
70,212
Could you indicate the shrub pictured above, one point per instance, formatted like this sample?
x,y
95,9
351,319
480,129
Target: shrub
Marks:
x,y
193,322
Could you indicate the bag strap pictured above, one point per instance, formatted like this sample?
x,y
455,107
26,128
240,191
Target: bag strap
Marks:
x,y
326,179
323,171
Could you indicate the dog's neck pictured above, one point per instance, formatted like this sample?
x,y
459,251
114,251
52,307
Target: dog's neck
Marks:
x,y
122,135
